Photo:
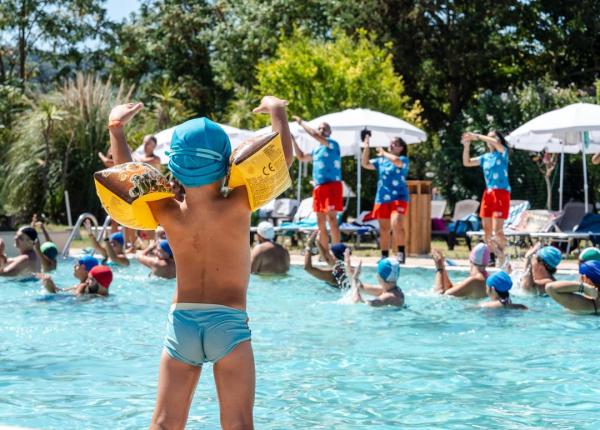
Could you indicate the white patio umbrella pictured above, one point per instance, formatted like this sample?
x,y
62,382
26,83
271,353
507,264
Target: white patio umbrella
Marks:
x,y
572,129
163,141
346,127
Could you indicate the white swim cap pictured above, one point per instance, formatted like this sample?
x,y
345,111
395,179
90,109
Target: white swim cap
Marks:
x,y
265,229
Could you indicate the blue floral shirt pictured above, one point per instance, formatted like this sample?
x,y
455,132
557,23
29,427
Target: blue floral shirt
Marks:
x,y
327,163
391,183
495,170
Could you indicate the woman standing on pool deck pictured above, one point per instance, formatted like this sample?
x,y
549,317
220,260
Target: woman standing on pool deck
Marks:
x,y
495,202
391,199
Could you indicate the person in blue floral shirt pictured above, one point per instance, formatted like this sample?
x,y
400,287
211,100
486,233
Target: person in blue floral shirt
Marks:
x,y
391,199
495,203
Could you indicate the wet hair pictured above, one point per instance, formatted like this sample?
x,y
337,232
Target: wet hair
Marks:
x,y
550,269
402,144
503,296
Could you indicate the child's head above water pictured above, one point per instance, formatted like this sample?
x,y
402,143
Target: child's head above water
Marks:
x,y
388,270
199,153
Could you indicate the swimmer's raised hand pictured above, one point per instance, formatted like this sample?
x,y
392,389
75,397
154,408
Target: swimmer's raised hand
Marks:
x,y
123,113
269,104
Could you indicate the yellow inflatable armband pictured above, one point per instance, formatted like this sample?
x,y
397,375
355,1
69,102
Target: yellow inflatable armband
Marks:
x,y
126,189
259,165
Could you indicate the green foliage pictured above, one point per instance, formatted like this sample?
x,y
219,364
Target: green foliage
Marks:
x,y
56,149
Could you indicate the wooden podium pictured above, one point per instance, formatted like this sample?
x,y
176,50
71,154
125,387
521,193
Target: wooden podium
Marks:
x,y
417,225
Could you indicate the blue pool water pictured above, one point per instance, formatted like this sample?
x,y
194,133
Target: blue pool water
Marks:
x,y
68,363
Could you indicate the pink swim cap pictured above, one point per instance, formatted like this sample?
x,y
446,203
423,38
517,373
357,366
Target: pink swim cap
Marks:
x,y
480,255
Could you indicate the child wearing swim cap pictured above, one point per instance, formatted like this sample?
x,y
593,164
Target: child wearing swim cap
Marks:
x,y
158,257
98,281
580,296
498,287
541,263
113,249
471,287
335,275
208,234
387,293
81,270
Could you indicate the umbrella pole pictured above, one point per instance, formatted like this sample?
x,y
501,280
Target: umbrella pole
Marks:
x,y
585,182
358,183
562,177
299,186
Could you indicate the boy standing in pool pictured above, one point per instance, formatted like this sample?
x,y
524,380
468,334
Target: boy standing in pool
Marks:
x,y
209,238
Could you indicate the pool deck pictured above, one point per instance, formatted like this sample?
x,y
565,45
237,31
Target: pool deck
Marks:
x,y
566,267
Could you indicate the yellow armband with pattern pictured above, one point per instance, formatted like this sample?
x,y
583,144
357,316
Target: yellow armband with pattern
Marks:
x,y
259,165
126,189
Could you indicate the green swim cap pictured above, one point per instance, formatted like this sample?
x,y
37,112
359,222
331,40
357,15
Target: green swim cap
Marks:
x,y
50,250
589,254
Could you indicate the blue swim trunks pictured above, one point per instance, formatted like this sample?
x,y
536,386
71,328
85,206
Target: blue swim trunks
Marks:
x,y
201,332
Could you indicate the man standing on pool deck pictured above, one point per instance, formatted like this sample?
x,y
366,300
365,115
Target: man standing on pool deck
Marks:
x,y
209,237
327,174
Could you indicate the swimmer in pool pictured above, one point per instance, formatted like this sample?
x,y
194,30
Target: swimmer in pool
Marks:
x,y
581,296
540,266
335,275
81,269
472,286
25,263
47,252
268,257
97,282
114,248
158,257
209,237
498,287
387,293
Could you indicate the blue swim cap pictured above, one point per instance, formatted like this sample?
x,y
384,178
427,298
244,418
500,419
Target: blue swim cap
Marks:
x,y
164,245
591,269
550,255
118,237
199,153
338,250
389,270
49,249
88,261
499,281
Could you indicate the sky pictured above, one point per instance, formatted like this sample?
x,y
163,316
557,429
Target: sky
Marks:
x,y
119,9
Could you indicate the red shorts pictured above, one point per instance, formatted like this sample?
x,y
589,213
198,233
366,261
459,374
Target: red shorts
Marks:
x,y
328,197
495,204
384,210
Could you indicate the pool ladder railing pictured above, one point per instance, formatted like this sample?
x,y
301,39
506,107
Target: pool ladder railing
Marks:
x,y
75,231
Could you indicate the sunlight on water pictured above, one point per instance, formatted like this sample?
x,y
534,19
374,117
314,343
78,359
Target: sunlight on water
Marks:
x,y
68,363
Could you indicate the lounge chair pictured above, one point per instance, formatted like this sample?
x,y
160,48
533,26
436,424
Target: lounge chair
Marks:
x,y
461,222
566,228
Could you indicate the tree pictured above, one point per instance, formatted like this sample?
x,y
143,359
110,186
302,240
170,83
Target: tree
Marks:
x,y
168,41
49,30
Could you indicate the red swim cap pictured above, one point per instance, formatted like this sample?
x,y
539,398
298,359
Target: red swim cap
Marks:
x,y
102,274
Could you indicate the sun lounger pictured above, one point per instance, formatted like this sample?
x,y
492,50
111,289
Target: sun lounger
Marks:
x,y
566,229
461,221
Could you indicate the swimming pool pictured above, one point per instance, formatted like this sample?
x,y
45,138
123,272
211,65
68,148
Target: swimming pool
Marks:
x,y
71,364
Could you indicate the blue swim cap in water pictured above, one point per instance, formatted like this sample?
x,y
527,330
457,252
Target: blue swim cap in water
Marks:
x,y
199,153
338,250
49,249
499,281
164,245
591,269
550,255
118,237
88,261
389,270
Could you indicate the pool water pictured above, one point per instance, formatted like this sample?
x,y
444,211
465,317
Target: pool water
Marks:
x,y
68,363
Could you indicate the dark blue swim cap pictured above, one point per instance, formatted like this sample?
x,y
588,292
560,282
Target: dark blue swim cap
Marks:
x,y
338,250
88,261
